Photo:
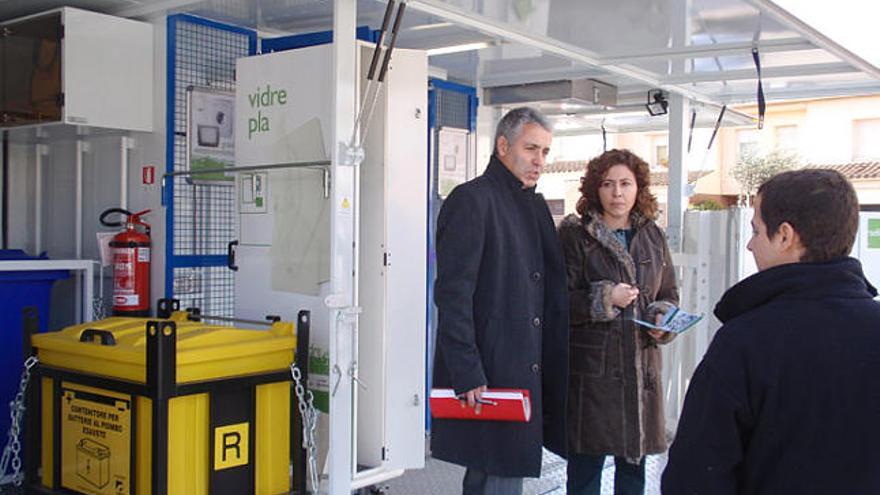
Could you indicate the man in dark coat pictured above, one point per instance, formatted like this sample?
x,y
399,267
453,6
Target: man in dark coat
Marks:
x,y
786,399
502,311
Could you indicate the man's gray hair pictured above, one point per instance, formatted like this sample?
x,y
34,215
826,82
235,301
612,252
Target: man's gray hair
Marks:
x,y
512,123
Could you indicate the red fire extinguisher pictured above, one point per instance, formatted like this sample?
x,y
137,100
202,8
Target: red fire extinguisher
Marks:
x,y
131,263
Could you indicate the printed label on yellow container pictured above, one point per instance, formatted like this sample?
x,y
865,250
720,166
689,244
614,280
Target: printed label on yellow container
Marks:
x,y
230,446
95,440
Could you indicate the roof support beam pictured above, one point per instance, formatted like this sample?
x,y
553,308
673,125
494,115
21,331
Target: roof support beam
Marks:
x,y
540,75
711,50
767,73
799,93
147,9
548,45
783,16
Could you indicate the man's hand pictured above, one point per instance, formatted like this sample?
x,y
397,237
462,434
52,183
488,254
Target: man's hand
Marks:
x,y
622,295
471,398
653,332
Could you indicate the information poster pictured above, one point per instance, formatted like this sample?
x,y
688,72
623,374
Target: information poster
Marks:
x,y
210,133
95,440
452,159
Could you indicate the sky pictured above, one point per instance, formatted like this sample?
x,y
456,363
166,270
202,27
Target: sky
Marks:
x,y
850,23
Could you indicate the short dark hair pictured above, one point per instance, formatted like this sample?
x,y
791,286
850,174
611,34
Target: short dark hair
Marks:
x,y
646,203
513,121
819,204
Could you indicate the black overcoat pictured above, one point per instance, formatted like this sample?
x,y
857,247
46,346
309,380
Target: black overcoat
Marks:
x,y
786,399
502,321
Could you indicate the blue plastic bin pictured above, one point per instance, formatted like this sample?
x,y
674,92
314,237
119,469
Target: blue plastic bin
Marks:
x,y
19,289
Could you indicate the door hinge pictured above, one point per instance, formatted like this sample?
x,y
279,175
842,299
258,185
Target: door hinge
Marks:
x,y
386,259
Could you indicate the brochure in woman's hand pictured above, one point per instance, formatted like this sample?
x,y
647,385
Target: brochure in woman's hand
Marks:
x,y
675,320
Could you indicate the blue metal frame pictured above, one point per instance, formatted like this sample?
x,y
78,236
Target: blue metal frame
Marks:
x,y
433,203
470,91
172,261
269,45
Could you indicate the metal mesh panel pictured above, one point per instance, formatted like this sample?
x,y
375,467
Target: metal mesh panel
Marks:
x,y
452,109
204,212
211,289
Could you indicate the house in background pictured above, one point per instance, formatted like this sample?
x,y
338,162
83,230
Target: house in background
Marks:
x,y
839,133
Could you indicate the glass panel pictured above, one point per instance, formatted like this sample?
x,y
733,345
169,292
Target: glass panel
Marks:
x,y
30,71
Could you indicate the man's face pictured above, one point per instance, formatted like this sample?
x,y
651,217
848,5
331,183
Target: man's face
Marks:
x,y
526,155
767,252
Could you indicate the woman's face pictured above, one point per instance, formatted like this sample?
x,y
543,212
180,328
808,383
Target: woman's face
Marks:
x,y
618,191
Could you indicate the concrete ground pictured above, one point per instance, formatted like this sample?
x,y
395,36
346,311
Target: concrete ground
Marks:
x,y
443,478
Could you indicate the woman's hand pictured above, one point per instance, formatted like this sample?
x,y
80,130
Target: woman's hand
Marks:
x,y
622,295
654,333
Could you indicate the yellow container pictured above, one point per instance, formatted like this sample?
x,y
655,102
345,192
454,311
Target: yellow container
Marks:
x,y
170,406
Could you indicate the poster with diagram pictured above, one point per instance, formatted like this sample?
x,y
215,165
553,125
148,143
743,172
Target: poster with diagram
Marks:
x,y
210,133
452,159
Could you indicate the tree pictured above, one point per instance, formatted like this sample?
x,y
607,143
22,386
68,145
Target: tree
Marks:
x,y
754,168
707,205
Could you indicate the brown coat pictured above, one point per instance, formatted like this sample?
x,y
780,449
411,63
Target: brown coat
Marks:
x,y
615,403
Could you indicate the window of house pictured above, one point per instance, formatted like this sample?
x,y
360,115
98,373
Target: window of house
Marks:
x,y
786,137
661,155
747,142
866,140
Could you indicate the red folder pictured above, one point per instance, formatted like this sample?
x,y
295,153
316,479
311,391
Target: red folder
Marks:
x,y
499,404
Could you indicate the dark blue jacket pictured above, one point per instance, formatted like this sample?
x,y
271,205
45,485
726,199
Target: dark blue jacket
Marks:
x,y
502,321
787,398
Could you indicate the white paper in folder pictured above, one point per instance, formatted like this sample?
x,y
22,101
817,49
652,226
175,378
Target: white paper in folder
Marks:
x,y
300,250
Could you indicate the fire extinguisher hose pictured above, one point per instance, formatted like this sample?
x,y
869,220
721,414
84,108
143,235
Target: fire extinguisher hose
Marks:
x,y
111,211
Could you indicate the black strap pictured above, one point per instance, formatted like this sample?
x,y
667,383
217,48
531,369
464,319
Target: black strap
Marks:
x,y
762,103
717,125
691,130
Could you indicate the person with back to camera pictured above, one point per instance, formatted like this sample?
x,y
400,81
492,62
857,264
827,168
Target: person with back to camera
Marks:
x,y
786,399
619,268
502,312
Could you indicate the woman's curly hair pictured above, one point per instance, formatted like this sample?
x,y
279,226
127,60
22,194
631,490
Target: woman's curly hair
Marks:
x,y
646,203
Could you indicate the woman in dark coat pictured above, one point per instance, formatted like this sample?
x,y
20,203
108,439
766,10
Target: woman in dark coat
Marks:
x,y
619,268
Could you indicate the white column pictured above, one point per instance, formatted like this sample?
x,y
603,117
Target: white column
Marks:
x,y
340,459
78,199
677,199
40,150
81,148
125,144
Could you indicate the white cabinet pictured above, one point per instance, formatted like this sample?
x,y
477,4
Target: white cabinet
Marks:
x,y
72,66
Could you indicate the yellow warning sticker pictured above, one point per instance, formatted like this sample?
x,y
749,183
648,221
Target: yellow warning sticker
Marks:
x,y
95,440
230,446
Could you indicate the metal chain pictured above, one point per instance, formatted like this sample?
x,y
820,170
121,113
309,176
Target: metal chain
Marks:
x,y
306,403
12,451
98,310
